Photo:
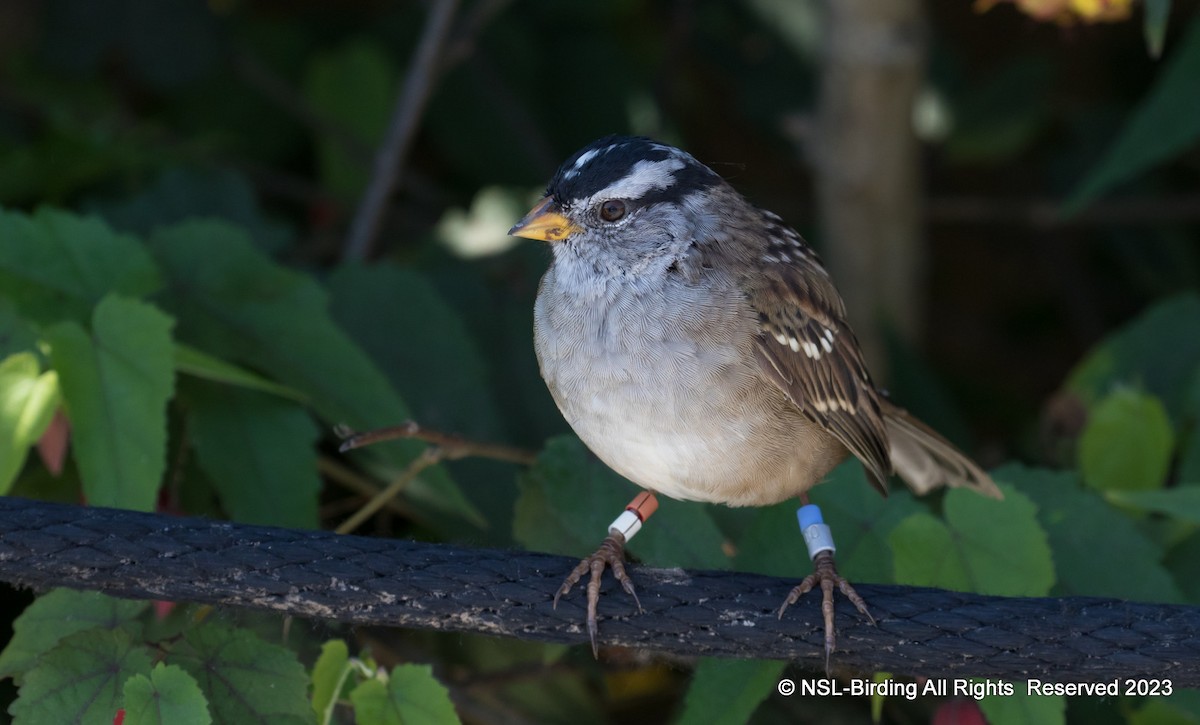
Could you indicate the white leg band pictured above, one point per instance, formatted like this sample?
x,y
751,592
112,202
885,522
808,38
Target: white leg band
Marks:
x,y
626,524
818,538
817,535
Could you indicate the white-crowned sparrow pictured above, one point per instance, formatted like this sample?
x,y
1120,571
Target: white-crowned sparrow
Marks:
x,y
698,347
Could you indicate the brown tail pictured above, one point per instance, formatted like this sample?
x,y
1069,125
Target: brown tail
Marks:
x,y
925,460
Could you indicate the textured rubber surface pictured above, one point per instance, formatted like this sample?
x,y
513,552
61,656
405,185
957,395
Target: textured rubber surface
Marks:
x,y
922,632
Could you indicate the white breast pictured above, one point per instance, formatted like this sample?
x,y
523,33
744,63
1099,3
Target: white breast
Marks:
x,y
653,380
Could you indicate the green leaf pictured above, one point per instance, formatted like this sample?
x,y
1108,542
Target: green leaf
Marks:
x,y
329,677
568,499
55,265
55,615
1154,25
1127,443
728,691
411,696
1182,503
259,452
190,193
1181,561
984,546
244,678
1165,123
116,382
28,399
233,302
1159,352
1098,551
169,696
858,516
200,364
15,333
1020,707
80,679
353,85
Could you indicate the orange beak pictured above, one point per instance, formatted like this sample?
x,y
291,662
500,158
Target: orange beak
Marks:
x,y
545,222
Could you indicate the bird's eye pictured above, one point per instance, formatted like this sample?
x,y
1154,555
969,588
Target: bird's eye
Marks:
x,y
612,210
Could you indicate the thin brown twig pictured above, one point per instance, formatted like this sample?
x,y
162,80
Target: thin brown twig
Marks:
x,y
454,446
428,457
350,479
403,125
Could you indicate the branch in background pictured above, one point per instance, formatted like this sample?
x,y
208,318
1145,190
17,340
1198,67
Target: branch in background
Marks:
x,y
868,166
382,582
410,105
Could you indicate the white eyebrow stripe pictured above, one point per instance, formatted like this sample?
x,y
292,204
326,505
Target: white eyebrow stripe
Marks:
x,y
644,176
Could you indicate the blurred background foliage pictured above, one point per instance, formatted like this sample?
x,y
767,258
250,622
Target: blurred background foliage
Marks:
x,y
180,182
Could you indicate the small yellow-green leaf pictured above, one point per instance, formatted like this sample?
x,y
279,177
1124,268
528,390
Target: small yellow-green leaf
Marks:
x,y
28,399
1127,443
984,546
328,677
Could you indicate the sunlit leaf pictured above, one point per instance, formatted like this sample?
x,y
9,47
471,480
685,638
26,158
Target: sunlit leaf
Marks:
x,y
28,399
1127,443
116,380
983,545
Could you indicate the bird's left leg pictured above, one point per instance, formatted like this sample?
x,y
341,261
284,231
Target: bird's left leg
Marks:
x,y
611,554
819,540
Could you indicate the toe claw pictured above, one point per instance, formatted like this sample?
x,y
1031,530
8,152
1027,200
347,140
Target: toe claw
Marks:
x,y
825,574
611,554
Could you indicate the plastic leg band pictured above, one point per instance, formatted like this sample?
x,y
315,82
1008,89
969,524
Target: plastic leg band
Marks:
x,y
817,535
636,512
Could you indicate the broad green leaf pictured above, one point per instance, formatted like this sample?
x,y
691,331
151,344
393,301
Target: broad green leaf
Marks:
x,y
116,381
259,452
55,265
1020,708
80,680
983,546
1127,443
355,85
411,696
1166,122
200,364
1182,503
16,335
1159,352
328,678
1098,551
191,193
1154,25
426,351
858,516
233,302
568,499
28,399
169,696
55,615
1182,561
728,691
244,678
1181,707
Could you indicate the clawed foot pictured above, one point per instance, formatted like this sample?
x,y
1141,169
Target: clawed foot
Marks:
x,y
612,554
825,572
